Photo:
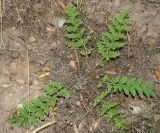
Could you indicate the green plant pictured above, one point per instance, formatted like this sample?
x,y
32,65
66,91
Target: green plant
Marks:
x,y
39,108
74,31
110,40
128,86
109,111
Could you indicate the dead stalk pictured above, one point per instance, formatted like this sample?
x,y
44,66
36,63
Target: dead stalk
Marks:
x,y
28,80
43,126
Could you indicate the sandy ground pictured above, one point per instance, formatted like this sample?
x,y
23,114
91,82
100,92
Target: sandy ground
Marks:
x,y
32,43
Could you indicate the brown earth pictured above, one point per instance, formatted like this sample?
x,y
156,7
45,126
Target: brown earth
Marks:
x,y
32,43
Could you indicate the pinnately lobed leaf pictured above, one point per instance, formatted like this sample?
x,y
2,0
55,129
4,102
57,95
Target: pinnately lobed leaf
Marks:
x,y
107,106
38,109
122,84
129,86
98,99
74,31
110,40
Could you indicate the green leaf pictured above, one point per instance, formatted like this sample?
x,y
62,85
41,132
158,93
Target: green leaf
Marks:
x,y
132,91
73,22
140,93
109,87
111,114
81,32
64,93
101,48
40,114
107,106
38,108
123,80
98,99
38,103
116,45
126,90
71,11
44,98
112,54
72,36
74,31
80,43
148,90
110,40
130,86
56,85
116,79
53,101
52,88
115,88
83,53
105,78
120,88
119,122
86,52
33,120
122,28
101,65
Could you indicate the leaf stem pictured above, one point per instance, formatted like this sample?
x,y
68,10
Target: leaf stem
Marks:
x,y
77,58
43,126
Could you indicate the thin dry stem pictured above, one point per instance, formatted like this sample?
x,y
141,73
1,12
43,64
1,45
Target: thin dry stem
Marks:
x,y
43,126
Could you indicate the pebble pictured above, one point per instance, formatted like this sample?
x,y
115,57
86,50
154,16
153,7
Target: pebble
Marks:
x,y
32,39
53,45
78,103
135,109
20,105
61,22
20,81
5,85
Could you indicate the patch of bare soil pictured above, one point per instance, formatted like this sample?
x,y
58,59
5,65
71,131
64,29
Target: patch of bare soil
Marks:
x,y
32,43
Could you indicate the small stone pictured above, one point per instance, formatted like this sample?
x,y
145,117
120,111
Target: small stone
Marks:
x,y
5,85
111,72
151,41
51,29
20,105
61,22
20,81
53,45
81,97
135,109
72,64
157,73
157,117
97,76
78,103
71,112
32,39
35,82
